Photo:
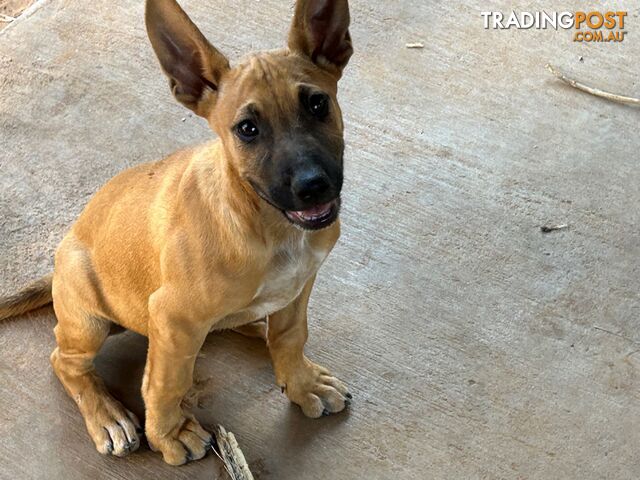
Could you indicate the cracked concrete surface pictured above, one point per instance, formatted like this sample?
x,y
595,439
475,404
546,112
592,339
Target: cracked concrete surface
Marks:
x,y
476,346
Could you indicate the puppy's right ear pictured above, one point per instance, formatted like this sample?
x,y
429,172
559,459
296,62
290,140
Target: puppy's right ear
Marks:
x,y
193,65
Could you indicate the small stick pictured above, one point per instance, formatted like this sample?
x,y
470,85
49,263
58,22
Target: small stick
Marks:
x,y
6,18
553,228
213,447
231,455
592,90
415,45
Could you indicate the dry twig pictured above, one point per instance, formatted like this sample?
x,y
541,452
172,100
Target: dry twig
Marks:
x,y
553,228
231,455
415,45
592,90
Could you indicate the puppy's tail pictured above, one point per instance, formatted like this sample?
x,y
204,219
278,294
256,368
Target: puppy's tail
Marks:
x,y
34,295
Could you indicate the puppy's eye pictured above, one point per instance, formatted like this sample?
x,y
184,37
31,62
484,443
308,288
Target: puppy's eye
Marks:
x,y
319,105
247,130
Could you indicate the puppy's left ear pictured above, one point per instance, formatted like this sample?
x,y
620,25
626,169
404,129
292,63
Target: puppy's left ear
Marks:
x,y
320,31
193,65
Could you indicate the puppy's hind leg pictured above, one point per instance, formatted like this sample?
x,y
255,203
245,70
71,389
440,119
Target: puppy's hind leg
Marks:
x,y
114,429
257,329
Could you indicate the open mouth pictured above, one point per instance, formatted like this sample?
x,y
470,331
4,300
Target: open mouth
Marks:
x,y
317,217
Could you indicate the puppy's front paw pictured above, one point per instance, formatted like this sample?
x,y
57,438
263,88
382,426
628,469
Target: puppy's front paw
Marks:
x,y
316,391
114,429
187,442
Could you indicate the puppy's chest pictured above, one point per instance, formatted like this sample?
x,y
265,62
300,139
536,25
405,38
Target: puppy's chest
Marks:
x,y
284,280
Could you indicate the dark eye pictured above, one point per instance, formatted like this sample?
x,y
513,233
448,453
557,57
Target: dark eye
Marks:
x,y
319,105
247,130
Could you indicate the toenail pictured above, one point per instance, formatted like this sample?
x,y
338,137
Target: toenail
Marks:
x,y
189,455
208,443
348,395
109,442
325,413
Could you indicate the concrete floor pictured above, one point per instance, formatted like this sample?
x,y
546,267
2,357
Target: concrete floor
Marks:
x,y
476,346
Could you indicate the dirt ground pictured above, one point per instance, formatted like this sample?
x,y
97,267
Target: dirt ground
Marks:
x,y
476,346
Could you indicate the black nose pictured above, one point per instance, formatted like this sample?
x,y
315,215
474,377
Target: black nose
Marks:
x,y
310,185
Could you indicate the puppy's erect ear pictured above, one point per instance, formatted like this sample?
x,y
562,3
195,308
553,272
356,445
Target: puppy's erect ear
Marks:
x,y
320,30
193,65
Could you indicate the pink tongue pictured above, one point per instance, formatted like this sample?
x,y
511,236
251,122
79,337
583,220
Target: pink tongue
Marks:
x,y
315,211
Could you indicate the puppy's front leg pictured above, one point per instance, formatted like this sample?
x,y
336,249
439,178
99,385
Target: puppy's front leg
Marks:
x,y
306,384
174,343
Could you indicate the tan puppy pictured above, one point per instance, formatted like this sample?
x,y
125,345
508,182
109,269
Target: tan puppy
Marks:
x,y
216,237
